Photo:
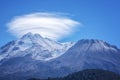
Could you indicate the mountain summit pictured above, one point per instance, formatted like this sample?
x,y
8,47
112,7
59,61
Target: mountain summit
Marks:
x,y
35,45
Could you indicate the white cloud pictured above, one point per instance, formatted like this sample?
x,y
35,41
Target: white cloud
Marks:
x,y
51,25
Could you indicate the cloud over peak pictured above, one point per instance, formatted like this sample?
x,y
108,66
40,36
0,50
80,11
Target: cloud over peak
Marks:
x,y
51,25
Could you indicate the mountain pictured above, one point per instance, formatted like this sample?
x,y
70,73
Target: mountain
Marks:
x,y
90,54
89,74
35,45
35,56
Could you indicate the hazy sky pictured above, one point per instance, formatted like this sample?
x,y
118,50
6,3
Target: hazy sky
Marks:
x,y
77,19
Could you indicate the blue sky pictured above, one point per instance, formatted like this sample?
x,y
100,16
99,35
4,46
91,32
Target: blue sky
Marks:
x,y
100,18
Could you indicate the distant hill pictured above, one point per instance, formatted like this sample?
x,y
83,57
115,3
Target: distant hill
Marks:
x,y
89,74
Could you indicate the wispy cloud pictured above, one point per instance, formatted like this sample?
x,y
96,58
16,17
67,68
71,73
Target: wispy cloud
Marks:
x,y
50,25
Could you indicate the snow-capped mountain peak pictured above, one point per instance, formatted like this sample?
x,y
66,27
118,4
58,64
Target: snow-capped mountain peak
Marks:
x,y
34,45
32,38
87,51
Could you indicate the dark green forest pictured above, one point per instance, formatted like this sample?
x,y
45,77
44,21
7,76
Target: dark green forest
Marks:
x,y
89,74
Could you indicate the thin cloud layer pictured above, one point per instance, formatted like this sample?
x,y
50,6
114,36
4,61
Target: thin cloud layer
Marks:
x,y
50,25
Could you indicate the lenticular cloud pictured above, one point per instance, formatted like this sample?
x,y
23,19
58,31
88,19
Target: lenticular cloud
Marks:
x,y
50,25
